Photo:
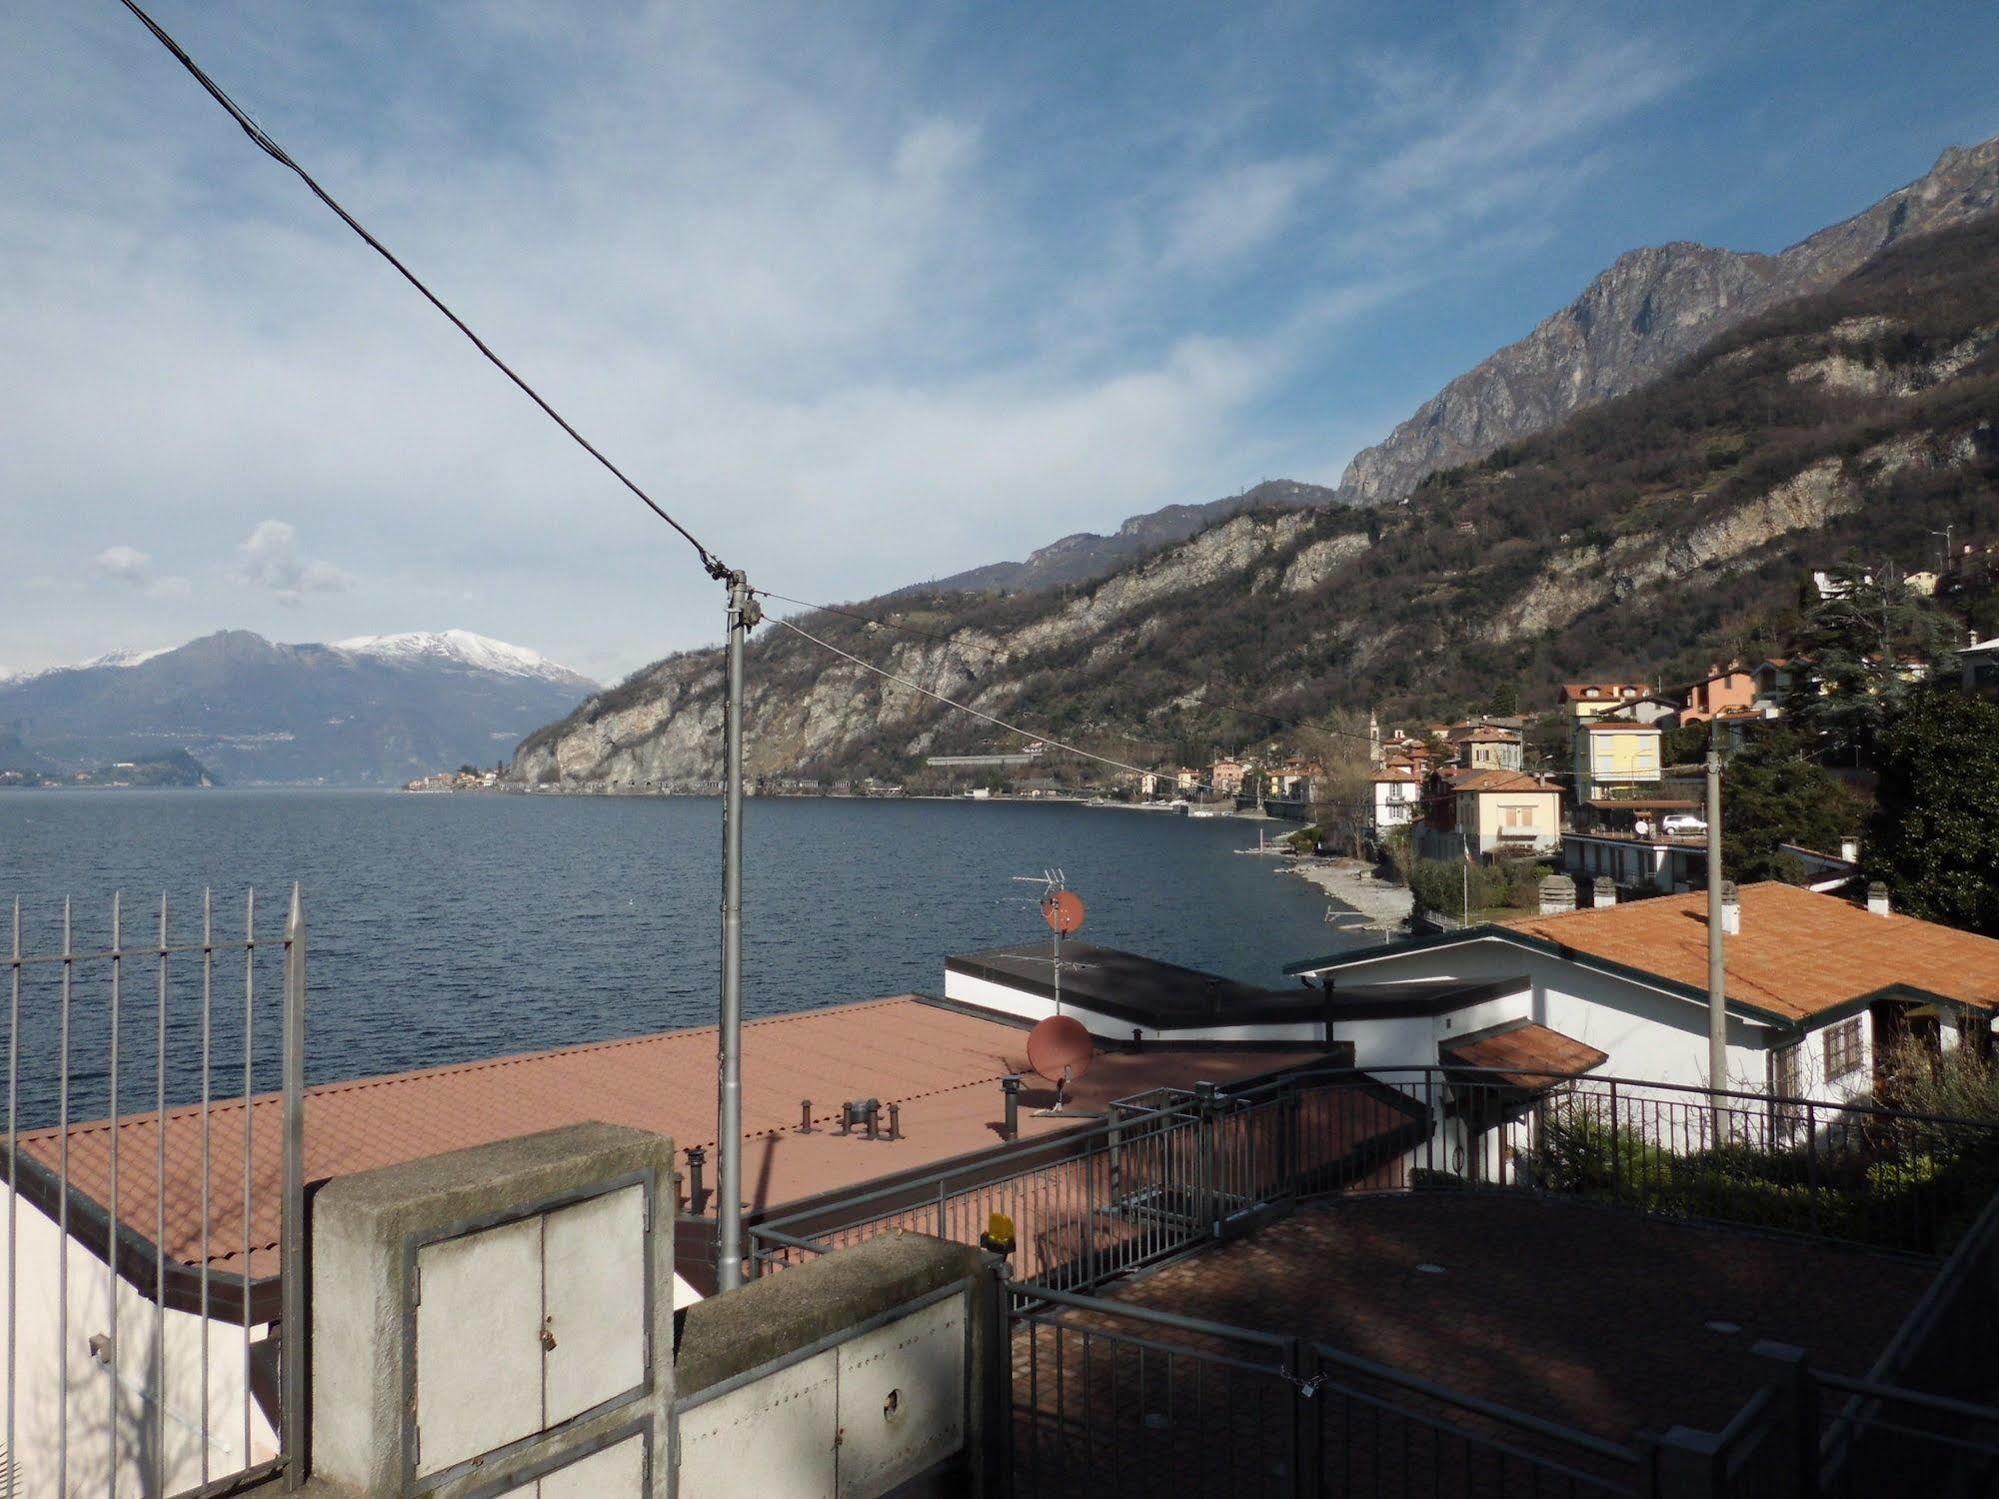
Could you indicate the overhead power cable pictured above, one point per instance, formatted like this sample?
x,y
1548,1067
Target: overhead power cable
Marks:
x,y
277,153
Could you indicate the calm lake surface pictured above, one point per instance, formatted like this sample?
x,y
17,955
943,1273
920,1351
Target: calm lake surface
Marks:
x,y
448,928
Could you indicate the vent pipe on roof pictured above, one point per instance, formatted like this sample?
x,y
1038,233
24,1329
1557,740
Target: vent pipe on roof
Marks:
x,y
1558,895
1877,900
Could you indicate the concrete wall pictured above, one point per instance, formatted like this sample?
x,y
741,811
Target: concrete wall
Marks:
x,y
859,1373
154,1404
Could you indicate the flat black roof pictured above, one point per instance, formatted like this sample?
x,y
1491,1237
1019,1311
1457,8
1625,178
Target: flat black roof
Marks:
x,y
1165,996
1133,987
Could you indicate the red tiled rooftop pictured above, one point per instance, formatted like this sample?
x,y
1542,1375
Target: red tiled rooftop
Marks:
x,y
1798,952
940,1065
1522,1054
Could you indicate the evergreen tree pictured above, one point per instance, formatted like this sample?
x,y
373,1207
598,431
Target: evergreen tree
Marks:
x,y
1775,793
1850,667
1935,839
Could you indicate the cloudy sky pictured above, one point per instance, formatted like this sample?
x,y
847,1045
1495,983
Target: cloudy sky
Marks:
x,y
865,293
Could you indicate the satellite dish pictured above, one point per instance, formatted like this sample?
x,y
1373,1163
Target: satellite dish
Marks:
x,y
1060,1049
1063,911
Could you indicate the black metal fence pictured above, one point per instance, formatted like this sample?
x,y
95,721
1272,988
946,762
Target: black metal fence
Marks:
x,y
1110,1398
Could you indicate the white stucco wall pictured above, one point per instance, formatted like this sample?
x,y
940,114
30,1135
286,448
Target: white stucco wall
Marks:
x,y
141,1384
1647,1033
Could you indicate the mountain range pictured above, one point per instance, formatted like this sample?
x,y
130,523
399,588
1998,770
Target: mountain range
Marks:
x,y
1650,310
1655,467
1086,556
378,709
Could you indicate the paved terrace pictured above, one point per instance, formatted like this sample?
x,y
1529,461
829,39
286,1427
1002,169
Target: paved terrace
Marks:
x,y
1579,1313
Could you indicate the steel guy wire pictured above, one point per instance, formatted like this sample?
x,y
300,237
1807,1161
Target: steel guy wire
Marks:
x,y
263,141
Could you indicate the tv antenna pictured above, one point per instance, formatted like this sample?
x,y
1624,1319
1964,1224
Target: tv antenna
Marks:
x,y
1060,1048
1062,908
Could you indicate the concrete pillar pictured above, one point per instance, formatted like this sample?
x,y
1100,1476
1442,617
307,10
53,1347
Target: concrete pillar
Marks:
x,y
1604,892
489,1317
1558,894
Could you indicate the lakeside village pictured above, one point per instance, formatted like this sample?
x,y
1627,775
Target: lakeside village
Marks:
x,y
1534,1200
1603,790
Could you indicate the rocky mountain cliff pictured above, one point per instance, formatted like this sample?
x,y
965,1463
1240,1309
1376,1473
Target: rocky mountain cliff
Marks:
x,y
1086,556
1650,533
1645,314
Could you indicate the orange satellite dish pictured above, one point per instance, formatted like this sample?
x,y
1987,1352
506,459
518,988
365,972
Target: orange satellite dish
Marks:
x,y
1063,911
1060,1049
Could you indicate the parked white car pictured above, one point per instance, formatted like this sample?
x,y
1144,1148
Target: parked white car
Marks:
x,y
1682,825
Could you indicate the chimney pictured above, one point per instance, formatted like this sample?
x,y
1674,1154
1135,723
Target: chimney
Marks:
x,y
1603,892
1877,899
1558,894
1849,850
1731,909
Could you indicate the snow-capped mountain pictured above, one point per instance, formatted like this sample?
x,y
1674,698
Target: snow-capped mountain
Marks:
x,y
119,658
463,648
369,711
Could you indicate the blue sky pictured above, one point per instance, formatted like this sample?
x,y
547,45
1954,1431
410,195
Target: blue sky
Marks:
x,y
865,293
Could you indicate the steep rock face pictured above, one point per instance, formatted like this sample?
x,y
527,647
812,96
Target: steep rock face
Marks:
x,y
1086,556
1644,315
662,729
1585,578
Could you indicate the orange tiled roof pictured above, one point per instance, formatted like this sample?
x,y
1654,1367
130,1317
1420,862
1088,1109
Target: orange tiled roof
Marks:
x,y
1518,1054
941,1065
1501,780
1596,692
1798,952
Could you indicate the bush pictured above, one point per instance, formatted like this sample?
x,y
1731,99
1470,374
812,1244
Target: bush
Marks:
x,y
1444,885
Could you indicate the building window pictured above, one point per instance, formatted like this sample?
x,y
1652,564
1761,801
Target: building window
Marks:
x,y
1787,1071
1842,1049
1519,817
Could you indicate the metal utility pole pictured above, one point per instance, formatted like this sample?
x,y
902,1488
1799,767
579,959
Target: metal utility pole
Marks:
x,y
1717,992
742,617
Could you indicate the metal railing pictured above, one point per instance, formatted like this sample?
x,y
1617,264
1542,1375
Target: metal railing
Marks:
x,y
1167,1173
1099,1202
153,1259
1111,1398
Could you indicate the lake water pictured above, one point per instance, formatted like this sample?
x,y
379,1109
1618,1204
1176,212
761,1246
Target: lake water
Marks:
x,y
447,928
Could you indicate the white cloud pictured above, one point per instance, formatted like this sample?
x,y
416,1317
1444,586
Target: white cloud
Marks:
x,y
122,564
853,327
269,558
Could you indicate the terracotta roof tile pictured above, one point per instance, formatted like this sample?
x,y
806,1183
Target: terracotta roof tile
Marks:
x,y
941,1065
1534,1049
1798,952
1502,780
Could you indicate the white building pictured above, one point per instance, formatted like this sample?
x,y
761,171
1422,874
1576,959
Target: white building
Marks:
x,y
1817,988
1398,799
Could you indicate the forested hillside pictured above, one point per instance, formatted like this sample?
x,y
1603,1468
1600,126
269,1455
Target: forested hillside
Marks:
x,y
1645,537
